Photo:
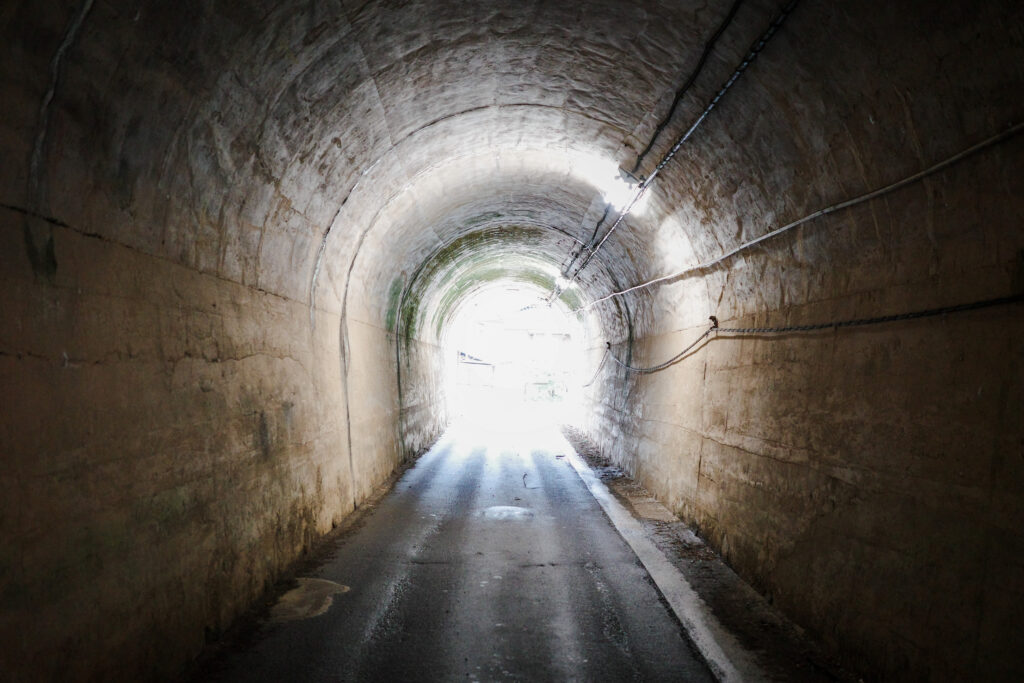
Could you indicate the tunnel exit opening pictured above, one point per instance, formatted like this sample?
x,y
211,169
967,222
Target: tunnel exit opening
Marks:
x,y
513,361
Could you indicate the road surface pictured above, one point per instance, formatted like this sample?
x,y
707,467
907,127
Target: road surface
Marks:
x,y
489,561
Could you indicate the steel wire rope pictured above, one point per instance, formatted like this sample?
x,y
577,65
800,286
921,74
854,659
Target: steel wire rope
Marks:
x,y
709,46
748,59
877,320
604,359
836,324
671,361
873,194
681,93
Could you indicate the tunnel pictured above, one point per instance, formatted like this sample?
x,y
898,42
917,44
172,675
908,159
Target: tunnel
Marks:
x,y
236,237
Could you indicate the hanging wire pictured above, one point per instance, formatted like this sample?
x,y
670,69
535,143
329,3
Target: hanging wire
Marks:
x,y
641,189
836,324
858,322
709,46
604,359
892,187
671,361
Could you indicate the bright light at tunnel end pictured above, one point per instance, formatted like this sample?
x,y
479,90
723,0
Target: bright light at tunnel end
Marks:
x,y
513,365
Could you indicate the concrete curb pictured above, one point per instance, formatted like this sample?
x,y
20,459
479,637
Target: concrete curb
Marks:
x,y
727,659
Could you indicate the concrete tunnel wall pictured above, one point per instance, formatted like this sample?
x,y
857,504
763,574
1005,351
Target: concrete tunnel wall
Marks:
x,y
230,233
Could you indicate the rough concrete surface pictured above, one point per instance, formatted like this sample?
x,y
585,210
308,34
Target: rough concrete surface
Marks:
x,y
780,649
231,235
463,572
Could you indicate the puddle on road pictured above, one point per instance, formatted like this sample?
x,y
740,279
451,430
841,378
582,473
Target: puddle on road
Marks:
x,y
507,512
312,598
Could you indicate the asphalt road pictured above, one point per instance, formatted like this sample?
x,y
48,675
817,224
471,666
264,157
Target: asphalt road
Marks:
x,y
489,561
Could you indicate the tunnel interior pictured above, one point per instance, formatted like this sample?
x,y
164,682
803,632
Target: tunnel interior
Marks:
x,y
236,237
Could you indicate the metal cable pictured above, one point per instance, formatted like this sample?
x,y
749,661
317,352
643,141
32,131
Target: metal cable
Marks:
x,y
708,47
604,359
892,187
680,93
583,246
641,189
856,322
751,55
671,361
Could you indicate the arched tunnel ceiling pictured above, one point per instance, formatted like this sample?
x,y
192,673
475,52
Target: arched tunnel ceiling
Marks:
x,y
477,260
283,137
289,146
496,205
187,185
